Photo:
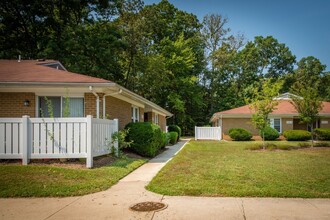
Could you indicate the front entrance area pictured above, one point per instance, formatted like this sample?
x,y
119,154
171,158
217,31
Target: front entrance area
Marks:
x,y
303,126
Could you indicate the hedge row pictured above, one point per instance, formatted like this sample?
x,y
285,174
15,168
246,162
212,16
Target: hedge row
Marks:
x,y
176,129
297,135
147,138
322,134
239,134
270,134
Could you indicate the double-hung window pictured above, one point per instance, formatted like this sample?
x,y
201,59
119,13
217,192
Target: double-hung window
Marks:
x,y
58,106
156,119
135,114
276,124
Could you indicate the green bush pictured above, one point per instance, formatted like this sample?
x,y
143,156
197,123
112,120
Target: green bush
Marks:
x,y
239,134
322,134
175,128
146,138
270,134
173,137
297,135
165,139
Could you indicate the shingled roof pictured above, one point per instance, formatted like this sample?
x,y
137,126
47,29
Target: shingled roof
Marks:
x,y
32,71
284,107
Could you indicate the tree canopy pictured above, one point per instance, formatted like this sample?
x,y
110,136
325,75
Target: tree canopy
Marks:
x,y
192,68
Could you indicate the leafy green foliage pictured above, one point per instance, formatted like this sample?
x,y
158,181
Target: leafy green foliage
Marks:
x,y
270,134
240,134
175,128
173,135
263,103
322,133
165,139
308,103
192,69
297,135
146,138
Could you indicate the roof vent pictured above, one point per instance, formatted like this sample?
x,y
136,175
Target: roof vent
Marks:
x,y
41,60
19,58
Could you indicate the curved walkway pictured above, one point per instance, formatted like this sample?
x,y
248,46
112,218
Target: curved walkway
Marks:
x,y
114,202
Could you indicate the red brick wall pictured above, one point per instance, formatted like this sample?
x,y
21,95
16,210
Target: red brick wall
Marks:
x,y
116,108
12,104
90,104
162,122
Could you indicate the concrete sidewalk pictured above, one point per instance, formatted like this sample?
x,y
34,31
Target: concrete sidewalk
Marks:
x,y
114,202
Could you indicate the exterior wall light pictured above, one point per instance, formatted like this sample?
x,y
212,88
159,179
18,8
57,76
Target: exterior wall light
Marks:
x,y
26,103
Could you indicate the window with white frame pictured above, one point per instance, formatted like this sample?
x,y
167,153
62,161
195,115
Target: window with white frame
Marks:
x,y
276,124
135,114
58,106
156,119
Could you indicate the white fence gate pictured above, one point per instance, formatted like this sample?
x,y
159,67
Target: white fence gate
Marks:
x,y
207,133
37,138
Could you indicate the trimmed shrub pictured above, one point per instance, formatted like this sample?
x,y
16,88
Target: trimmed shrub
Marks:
x,y
173,137
270,134
239,134
175,128
322,134
165,139
297,135
147,138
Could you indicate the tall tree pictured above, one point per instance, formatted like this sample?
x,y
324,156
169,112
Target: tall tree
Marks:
x,y
218,42
266,57
308,102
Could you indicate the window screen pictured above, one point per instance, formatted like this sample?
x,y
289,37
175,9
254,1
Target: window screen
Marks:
x,y
74,107
49,106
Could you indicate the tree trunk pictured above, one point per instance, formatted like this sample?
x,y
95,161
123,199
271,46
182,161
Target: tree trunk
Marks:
x,y
263,140
312,131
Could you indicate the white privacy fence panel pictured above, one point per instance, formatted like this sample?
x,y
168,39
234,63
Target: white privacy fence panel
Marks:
x,y
36,138
58,137
10,145
102,131
207,133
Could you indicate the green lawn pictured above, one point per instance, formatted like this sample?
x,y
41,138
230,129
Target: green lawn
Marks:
x,y
210,168
41,181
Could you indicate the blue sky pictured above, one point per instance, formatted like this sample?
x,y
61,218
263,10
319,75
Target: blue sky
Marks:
x,y
304,26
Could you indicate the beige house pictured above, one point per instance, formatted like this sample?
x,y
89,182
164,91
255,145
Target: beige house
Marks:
x,y
27,86
284,117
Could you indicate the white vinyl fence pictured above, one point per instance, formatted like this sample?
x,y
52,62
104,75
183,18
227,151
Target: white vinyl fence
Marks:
x,y
38,138
207,133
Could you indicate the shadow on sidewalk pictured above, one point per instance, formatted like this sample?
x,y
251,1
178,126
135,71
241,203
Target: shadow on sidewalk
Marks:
x,y
169,153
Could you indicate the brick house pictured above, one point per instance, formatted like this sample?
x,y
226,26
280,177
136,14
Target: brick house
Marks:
x,y
26,87
284,117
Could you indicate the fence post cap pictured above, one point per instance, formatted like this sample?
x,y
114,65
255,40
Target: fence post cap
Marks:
x,y
89,116
26,116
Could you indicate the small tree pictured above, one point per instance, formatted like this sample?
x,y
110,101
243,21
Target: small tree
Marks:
x,y
308,102
263,103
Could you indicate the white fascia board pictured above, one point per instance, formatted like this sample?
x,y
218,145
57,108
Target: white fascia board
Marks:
x,y
55,89
137,98
127,99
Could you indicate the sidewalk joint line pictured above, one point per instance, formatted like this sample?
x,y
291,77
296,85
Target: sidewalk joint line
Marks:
x,y
63,208
243,209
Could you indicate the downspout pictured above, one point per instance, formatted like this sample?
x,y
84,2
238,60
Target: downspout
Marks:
x,y
97,101
115,93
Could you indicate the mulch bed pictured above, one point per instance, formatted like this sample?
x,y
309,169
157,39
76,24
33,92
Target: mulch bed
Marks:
x,y
70,163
